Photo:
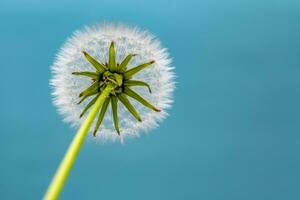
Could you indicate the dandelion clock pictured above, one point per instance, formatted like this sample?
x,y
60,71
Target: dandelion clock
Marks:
x,y
112,82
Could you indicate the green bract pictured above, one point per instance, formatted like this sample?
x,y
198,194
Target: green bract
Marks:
x,y
116,75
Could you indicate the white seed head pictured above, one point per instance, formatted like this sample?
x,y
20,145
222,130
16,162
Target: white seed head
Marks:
x,y
128,40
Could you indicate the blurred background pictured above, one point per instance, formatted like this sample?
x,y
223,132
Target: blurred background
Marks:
x,y
232,133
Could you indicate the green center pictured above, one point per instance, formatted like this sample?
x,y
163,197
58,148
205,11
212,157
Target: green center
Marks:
x,y
114,79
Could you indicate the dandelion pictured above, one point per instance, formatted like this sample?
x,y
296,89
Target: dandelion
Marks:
x,y
114,81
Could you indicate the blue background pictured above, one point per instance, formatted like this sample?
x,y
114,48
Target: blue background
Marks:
x,y
233,131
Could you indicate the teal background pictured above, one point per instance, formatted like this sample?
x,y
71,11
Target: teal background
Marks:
x,y
233,131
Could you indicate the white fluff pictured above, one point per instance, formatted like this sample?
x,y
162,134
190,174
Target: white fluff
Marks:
x,y
96,40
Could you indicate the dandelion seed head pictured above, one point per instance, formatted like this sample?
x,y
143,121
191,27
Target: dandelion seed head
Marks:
x,y
128,40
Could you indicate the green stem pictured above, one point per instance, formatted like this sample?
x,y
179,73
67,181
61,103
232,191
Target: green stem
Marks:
x,y
63,171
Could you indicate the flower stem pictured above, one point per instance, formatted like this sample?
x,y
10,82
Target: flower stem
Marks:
x,y
63,171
